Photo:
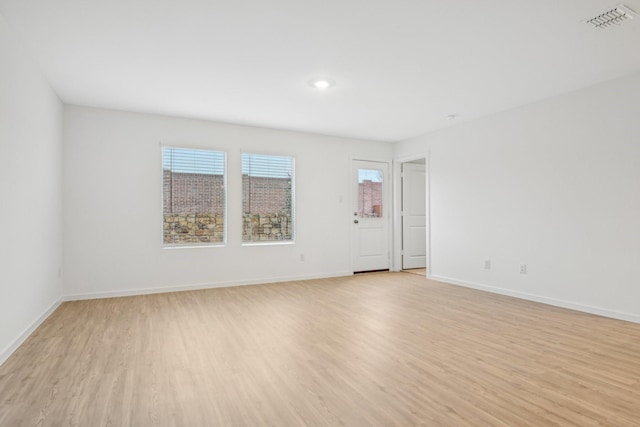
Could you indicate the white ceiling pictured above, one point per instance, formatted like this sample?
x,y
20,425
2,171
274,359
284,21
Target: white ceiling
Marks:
x,y
400,66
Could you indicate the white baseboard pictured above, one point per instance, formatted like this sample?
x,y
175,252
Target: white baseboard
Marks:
x,y
537,298
198,286
8,351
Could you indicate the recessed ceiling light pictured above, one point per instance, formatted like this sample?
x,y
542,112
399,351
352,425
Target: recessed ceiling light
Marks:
x,y
322,84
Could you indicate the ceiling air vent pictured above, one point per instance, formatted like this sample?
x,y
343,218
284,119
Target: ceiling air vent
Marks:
x,y
615,16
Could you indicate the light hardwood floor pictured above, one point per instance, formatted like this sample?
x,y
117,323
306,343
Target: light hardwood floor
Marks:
x,y
418,271
375,349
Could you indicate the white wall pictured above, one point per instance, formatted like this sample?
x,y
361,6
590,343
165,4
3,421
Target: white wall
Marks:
x,y
555,185
30,194
113,204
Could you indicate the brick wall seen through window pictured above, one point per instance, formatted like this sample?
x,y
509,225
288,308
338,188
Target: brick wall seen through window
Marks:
x,y
193,196
267,198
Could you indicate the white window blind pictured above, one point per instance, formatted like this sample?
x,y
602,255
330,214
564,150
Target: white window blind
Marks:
x,y
193,196
267,198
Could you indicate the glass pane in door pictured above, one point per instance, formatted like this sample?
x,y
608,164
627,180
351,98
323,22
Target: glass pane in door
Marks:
x,y
370,193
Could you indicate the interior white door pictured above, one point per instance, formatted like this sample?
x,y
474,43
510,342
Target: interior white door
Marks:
x,y
414,227
370,216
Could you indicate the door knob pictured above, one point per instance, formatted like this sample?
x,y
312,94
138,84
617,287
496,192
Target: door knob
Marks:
x,y
355,221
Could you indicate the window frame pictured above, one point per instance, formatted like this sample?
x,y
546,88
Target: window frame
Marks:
x,y
294,222
225,216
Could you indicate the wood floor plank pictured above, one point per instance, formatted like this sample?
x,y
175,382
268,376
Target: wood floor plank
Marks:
x,y
375,349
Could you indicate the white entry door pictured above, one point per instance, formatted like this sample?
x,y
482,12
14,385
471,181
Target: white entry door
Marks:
x,y
370,216
414,227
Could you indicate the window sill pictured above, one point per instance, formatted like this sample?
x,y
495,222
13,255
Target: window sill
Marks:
x,y
206,245
270,243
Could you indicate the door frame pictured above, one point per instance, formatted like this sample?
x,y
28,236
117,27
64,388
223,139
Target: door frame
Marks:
x,y
397,209
389,194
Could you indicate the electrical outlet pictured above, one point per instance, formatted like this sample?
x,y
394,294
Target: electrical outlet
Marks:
x,y
302,257
487,264
523,268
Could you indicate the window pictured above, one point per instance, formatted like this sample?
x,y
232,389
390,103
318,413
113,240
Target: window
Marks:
x,y
267,198
370,193
193,196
